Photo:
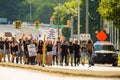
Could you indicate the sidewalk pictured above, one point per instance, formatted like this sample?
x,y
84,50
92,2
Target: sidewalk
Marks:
x,y
84,71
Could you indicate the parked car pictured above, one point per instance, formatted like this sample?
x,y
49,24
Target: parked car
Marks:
x,y
104,53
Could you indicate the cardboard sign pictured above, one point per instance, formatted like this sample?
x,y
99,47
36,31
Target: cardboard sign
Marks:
x,y
8,34
32,50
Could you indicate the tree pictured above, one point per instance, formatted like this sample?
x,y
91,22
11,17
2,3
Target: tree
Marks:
x,y
109,9
66,33
9,9
68,9
63,12
20,9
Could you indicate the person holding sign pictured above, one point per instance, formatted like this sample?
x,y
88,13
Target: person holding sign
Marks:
x,y
32,52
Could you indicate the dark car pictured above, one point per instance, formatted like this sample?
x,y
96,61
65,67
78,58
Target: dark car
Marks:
x,y
104,53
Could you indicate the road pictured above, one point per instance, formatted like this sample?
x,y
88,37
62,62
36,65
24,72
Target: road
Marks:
x,y
96,67
21,74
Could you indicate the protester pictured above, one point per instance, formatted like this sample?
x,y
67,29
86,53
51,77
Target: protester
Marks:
x,y
1,49
15,50
20,48
71,49
49,54
64,53
39,52
89,48
58,46
26,54
11,49
83,55
7,49
54,53
77,53
32,57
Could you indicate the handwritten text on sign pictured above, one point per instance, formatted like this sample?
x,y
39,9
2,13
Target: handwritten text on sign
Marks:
x,y
32,50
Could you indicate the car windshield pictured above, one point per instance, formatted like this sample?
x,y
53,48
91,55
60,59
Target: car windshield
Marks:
x,y
98,47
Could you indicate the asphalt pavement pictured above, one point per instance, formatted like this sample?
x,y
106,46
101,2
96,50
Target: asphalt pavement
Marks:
x,y
105,71
21,74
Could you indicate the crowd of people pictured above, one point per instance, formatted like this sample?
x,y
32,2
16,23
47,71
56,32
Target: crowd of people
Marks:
x,y
48,52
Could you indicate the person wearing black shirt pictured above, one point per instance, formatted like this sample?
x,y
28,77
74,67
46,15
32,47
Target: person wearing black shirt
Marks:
x,y
31,59
26,54
49,48
1,49
7,48
64,53
11,49
77,53
15,50
20,46
39,52
71,49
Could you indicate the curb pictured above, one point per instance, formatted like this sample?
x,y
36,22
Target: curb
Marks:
x,y
67,72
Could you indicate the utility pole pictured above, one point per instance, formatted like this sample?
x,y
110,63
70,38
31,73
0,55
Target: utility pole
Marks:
x,y
115,38
78,21
118,39
71,26
87,19
58,21
30,12
112,31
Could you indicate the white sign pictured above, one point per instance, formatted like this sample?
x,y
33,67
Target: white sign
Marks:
x,y
83,37
32,50
51,34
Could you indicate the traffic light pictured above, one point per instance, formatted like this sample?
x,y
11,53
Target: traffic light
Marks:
x,y
68,23
37,24
18,24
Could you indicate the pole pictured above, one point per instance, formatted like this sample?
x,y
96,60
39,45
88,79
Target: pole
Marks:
x,y
101,22
71,26
117,39
112,31
30,12
58,22
87,19
78,21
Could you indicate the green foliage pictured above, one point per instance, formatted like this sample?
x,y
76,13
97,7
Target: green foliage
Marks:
x,y
20,9
9,9
110,9
63,12
66,32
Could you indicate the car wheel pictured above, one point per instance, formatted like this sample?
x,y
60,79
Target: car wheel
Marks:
x,y
115,63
